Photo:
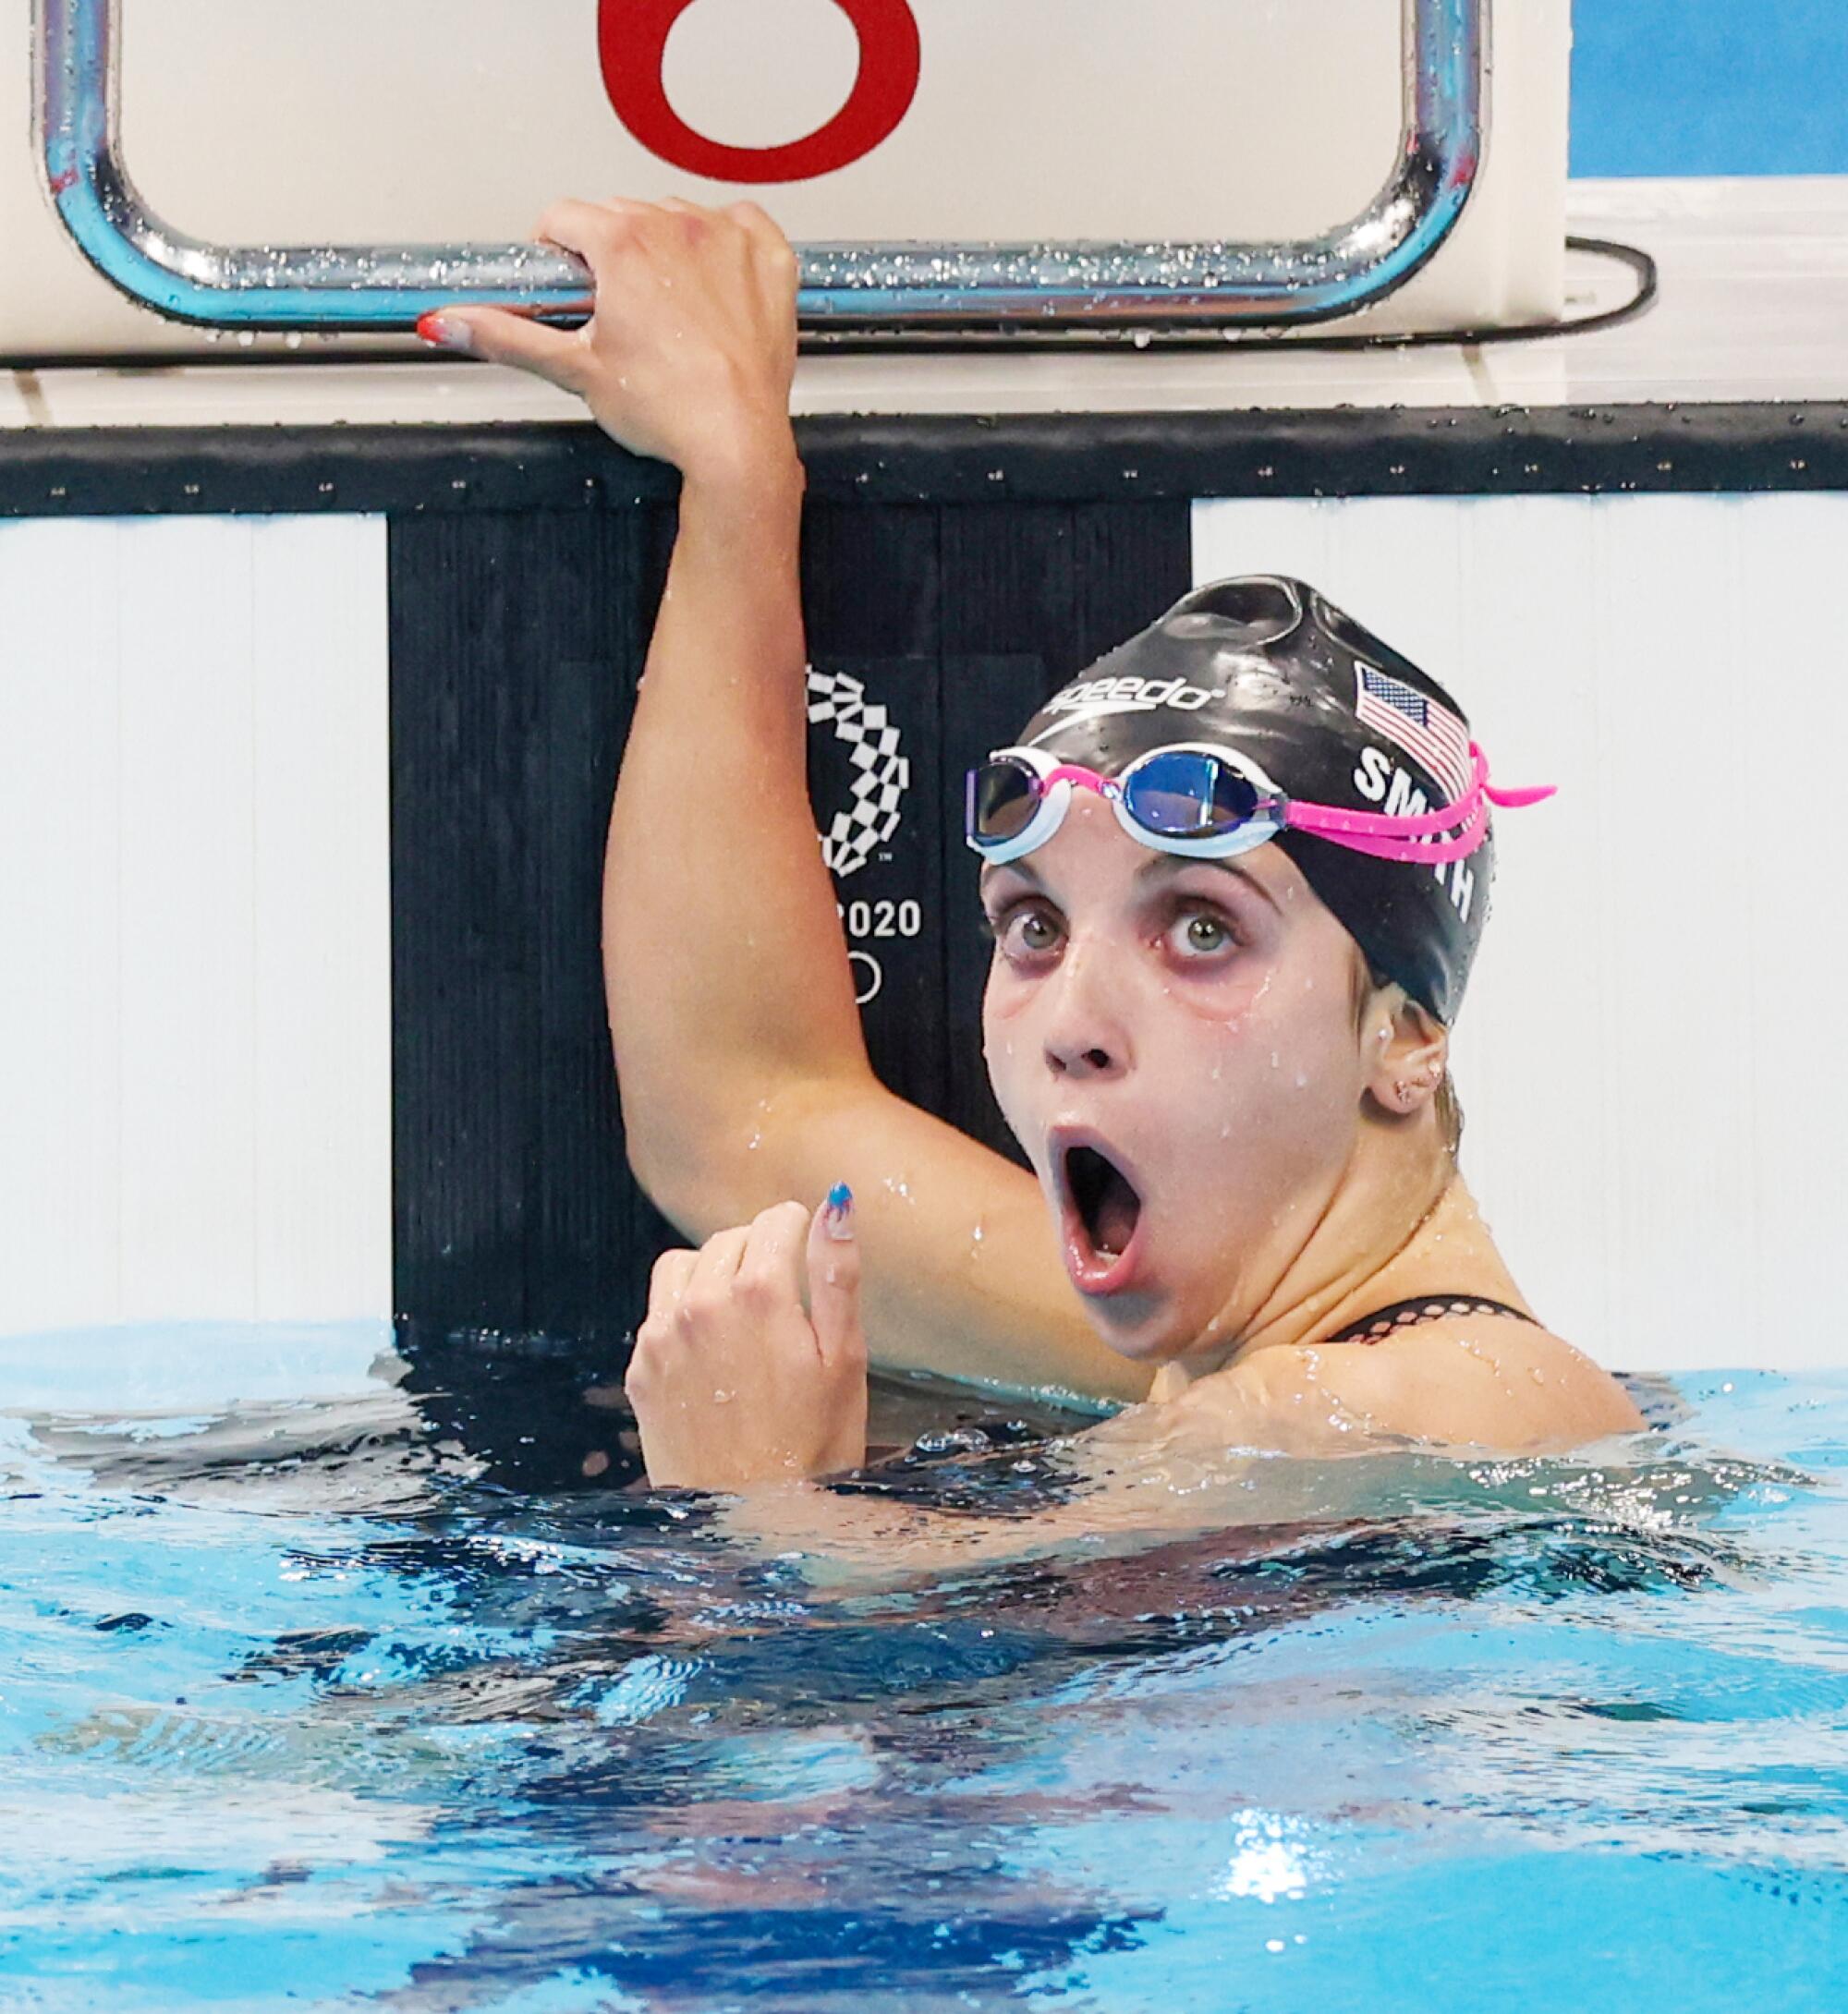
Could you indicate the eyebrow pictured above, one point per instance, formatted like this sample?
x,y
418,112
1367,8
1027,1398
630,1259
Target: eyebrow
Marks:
x,y
1020,867
1159,867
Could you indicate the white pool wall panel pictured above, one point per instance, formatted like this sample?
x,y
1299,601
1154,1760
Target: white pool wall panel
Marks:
x,y
195,898
1650,1058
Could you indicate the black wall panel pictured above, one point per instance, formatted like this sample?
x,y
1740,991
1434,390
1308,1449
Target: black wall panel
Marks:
x,y
517,637
517,641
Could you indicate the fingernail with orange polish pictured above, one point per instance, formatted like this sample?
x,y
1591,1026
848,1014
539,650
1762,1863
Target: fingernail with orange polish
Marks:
x,y
443,332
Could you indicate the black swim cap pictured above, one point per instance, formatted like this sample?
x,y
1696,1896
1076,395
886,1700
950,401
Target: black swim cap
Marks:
x,y
1267,667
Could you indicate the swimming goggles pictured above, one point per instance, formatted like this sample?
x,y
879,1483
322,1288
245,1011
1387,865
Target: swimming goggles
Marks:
x,y
1207,801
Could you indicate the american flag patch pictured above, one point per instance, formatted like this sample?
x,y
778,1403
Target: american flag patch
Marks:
x,y
1422,727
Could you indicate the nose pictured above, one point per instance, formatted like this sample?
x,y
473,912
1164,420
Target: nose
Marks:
x,y
1084,1033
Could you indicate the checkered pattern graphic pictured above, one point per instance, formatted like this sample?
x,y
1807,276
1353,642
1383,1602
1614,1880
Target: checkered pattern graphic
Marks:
x,y
881,775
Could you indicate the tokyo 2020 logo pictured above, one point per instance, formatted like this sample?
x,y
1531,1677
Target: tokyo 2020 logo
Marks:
x,y
880,774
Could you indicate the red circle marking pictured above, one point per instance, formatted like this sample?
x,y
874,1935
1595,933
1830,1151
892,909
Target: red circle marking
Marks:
x,y
632,40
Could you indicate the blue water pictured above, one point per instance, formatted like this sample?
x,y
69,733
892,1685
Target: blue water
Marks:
x,y
306,1702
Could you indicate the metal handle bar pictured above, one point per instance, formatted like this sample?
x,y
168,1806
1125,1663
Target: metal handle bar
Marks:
x,y
845,287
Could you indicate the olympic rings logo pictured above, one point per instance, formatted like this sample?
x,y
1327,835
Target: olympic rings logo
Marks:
x,y
632,41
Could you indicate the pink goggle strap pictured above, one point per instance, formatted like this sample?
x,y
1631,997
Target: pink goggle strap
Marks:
x,y
1069,772
1431,839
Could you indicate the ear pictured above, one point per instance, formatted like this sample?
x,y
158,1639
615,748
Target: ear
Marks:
x,y
1409,1052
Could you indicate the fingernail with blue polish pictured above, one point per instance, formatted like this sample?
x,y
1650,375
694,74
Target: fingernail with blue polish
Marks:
x,y
839,1219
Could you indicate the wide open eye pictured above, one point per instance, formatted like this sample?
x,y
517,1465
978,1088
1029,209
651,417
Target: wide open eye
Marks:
x,y
1190,796
1198,932
1024,933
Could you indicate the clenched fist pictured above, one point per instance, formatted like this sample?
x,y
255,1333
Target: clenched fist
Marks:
x,y
732,1383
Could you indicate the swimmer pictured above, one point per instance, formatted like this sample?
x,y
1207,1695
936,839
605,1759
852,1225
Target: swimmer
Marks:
x,y
1236,875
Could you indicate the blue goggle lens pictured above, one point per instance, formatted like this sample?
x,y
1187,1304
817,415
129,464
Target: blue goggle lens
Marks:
x,y
1186,795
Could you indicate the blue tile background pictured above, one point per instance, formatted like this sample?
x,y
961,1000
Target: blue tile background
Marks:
x,y
1709,87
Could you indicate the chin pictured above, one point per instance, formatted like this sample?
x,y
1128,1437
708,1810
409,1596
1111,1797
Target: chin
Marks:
x,y
1143,1329
1131,1325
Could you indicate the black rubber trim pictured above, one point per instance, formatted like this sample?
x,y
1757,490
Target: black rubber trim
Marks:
x,y
929,459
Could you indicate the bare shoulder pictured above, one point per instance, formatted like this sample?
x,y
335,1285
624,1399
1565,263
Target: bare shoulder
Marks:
x,y
1486,1381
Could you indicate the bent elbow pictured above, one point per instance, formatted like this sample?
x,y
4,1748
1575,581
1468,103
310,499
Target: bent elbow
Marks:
x,y
716,1164
667,1175
696,1174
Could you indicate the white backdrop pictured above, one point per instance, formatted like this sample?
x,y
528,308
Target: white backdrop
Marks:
x,y
1650,1055
195,1107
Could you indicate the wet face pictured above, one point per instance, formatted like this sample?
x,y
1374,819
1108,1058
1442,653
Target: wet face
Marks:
x,y
1173,1043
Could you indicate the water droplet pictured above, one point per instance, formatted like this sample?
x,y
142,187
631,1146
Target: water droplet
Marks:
x,y
722,1398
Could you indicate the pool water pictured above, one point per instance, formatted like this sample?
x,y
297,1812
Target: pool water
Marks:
x,y
344,1674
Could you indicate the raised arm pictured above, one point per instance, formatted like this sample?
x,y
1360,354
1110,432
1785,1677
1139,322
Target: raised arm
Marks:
x,y
743,1071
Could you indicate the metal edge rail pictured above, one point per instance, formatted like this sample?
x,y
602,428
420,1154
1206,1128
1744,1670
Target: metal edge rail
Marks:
x,y
856,288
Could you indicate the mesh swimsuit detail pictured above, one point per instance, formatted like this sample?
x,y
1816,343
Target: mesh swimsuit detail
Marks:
x,y
1426,1307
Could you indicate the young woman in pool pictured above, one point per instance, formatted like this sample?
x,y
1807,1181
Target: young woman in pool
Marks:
x,y
1221,1039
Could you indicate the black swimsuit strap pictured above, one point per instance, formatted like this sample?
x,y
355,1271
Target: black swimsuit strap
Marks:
x,y
1426,1307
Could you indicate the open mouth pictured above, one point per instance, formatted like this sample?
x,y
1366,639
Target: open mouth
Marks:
x,y
1106,1201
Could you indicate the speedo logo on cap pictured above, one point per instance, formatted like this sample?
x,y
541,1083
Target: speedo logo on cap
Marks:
x,y
1132,696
